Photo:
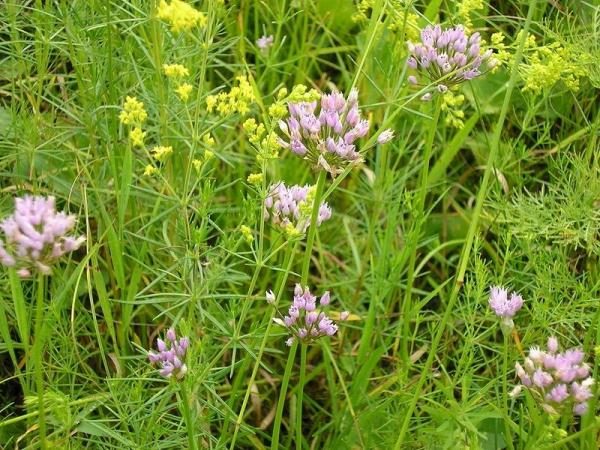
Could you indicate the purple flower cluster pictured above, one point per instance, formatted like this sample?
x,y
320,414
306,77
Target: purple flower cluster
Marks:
x,y
557,379
450,54
503,306
292,206
36,235
171,355
305,321
325,133
264,42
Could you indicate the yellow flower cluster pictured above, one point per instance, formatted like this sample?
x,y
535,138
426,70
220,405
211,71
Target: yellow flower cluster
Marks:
x,y
180,15
407,20
268,146
136,135
255,179
134,114
466,8
208,140
247,233
550,64
150,170
183,91
161,153
501,54
175,70
451,105
198,162
362,13
237,100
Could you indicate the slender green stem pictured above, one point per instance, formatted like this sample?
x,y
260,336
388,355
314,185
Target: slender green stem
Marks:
x,y
505,394
473,226
38,351
287,267
312,230
187,416
300,396
416,234
282,394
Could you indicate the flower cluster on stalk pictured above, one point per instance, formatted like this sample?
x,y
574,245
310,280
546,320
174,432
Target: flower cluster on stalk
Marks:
x,y
171,355
504,306
291,207
326,132
180,15
448,57
36,235
305,320
557,379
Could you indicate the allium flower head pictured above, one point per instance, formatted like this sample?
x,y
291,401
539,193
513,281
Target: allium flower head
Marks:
x,y
291,207
170,355
557,380
264,42
447,57
326,132
36,235
305,320
504,306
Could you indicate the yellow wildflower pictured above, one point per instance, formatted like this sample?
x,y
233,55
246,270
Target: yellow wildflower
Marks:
x,y
237,100
501,55
175,70
291,231
211,102
247,233
161,153
208,155
466,8
197,163
277,110
270,146
451,105
136,135
255,179
249,126
180,15
133,112
362,15
299,94
183,91
208,140
281,94
549,65
150,170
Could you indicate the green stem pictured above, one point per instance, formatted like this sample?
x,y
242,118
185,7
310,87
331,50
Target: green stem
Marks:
x,y
507,438
473,226
282,394
300,396
287,267
312,230
187,416
416,234
38,350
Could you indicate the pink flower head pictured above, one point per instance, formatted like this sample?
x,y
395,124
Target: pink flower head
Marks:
x,y
557,379
171,354
36,235
502,305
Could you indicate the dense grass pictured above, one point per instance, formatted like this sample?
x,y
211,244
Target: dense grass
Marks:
x,y
419,231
